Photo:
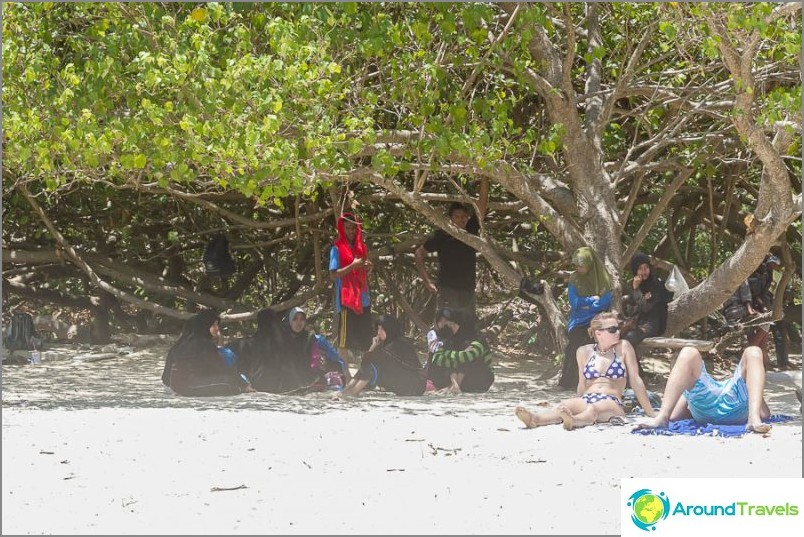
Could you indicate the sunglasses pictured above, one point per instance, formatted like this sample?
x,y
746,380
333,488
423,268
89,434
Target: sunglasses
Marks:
x,y
610,329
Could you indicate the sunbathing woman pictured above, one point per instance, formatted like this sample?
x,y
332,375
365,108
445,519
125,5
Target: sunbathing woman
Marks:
x,y
603,368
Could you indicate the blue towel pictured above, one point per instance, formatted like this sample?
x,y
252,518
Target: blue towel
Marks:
x,y
692,428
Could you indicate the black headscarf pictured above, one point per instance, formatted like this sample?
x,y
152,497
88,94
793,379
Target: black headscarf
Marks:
x,y
467,328
396,344
258,355
194,344
639,259
391,326
201,323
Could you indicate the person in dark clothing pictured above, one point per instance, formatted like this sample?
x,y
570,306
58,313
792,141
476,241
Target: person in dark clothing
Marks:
x,y
259,355
650,298
464,362
391,363
752,297
457,261
311,359
589,292
194,366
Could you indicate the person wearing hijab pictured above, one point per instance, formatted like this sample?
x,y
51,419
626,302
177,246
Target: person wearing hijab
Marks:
x,y
349,267
391,363
194,366
310,359
259,355
649,298
590,293
463,362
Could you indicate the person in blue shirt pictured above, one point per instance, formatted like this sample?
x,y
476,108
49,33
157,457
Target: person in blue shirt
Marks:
x,y
349,268
590,293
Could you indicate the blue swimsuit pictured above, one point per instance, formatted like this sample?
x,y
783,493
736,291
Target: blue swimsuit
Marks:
x,y
615,371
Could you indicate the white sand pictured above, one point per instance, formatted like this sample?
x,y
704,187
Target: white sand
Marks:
x,y
374,465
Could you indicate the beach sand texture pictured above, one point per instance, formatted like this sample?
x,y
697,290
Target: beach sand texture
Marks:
x,y
103,448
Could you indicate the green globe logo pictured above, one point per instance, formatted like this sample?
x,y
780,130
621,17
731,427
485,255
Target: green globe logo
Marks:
x,y
648,508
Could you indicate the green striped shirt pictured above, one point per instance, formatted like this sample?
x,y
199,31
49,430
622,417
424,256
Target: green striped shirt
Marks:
x,y
451,359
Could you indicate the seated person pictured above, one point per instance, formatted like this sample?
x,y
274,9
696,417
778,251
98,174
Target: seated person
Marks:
x,y
692,393
650,299
391,363
464,362
603,369
258,355
194,366
310,358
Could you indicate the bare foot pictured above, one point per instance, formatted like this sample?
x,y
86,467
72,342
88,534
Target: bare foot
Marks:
x,y
655,423
525,416
566,417
759,428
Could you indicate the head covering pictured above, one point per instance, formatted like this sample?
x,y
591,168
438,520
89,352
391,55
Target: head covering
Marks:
x,y
202,322
265,319
356,282
293,312
391,326
597,280
467,327
771,259
639,259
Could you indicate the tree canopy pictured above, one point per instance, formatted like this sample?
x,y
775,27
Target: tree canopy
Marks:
x,y
132,132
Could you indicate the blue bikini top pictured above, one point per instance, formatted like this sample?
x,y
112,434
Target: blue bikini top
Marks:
x,y
615,371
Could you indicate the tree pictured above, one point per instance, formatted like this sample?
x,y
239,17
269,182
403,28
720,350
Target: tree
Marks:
x,y
619,126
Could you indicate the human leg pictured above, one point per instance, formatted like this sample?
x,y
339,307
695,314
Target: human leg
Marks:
x,y
550,416
682,377
752,369
354,387
598,412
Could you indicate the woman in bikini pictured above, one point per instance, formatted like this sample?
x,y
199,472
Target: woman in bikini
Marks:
x,y
604,367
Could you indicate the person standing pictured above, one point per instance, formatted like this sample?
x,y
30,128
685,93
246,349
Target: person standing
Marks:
x,y
457,261
349,267
589,293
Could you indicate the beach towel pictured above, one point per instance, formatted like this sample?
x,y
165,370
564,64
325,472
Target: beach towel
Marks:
x,y
692,428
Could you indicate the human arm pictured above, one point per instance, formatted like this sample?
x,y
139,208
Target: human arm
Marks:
x,y
581,356
450,359
420,254
646,301
603,302
330,353
744,292
354,265
631,365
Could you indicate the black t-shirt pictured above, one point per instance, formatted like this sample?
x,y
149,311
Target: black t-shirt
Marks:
x,y
457,261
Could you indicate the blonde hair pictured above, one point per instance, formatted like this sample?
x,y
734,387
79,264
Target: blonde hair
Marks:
x,y
597,321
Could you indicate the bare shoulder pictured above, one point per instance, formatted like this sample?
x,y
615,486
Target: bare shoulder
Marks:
x,y
584,351
626,347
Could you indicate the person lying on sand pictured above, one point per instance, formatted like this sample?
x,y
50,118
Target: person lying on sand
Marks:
x,y
692,393
603,368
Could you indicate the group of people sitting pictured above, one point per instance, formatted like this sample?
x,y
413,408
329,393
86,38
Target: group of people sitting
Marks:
x,y
609,363
285,357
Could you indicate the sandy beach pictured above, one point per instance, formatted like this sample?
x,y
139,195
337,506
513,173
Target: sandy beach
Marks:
x,y
103,448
